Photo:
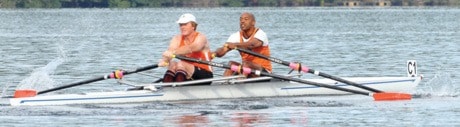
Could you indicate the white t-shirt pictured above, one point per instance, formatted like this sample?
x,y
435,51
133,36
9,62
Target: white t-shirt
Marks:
x,y
235,37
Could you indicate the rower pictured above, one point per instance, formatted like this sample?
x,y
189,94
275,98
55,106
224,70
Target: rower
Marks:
x,y
251,38
189,43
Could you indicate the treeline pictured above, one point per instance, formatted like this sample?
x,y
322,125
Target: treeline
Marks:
x,y
206,3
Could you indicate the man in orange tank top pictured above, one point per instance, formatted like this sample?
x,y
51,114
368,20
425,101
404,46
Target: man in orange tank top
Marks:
x,y
189,43
251,38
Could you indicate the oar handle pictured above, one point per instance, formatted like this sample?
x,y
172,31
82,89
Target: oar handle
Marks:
x,y
258,72
298,66
108,76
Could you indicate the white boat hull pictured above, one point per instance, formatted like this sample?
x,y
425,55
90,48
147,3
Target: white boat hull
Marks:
x,y
221,91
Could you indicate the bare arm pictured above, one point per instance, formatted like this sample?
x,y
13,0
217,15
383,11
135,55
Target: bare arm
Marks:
x,y
222,51
199,44
173,44
252,43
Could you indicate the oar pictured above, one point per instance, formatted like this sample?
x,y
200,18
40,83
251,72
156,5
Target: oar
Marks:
x,y
115,74
299,67
376,96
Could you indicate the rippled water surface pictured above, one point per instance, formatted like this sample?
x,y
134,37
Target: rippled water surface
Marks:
x,y
45,48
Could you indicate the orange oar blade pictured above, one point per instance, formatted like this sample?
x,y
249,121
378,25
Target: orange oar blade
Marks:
x,y
391,96
25,93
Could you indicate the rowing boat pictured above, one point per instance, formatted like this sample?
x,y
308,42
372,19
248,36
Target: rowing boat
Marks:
x,y
232,87
223,89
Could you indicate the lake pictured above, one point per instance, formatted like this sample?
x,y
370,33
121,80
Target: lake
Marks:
x,y
45,48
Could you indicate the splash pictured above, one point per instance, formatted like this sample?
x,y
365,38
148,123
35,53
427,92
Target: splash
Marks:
x,y
40,78
441,85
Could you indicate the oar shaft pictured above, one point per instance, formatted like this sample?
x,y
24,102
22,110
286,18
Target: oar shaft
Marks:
x,y
273,75
343,81
263,56
308,70
312,83
98,79
141,69
73,84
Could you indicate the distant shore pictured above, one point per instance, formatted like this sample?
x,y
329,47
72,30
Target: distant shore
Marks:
x,y
215,3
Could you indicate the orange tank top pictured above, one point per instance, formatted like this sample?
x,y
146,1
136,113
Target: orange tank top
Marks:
x,y
201,55
264,50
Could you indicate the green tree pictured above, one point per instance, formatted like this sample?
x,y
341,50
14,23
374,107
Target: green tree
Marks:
x,y
267,3
148,3
52,3
38,3
231,3
321,2
119,3
7,4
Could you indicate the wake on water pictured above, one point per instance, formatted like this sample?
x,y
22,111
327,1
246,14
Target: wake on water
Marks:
x,y
440,85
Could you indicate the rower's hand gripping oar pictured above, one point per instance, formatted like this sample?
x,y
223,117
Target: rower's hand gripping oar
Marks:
x,y
244,70
118,74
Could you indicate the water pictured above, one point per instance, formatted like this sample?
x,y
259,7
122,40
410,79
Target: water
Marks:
x,y
44,48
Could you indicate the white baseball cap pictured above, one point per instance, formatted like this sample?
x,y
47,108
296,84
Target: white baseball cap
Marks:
x,y
185,18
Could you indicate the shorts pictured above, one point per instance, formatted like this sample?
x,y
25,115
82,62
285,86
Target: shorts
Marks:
x,y
202,74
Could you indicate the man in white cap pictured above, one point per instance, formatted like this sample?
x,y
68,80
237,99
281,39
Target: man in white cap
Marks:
x,y
189,43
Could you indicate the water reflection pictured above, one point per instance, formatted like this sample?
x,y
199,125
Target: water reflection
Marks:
x,y
298,119
190,120
243,119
